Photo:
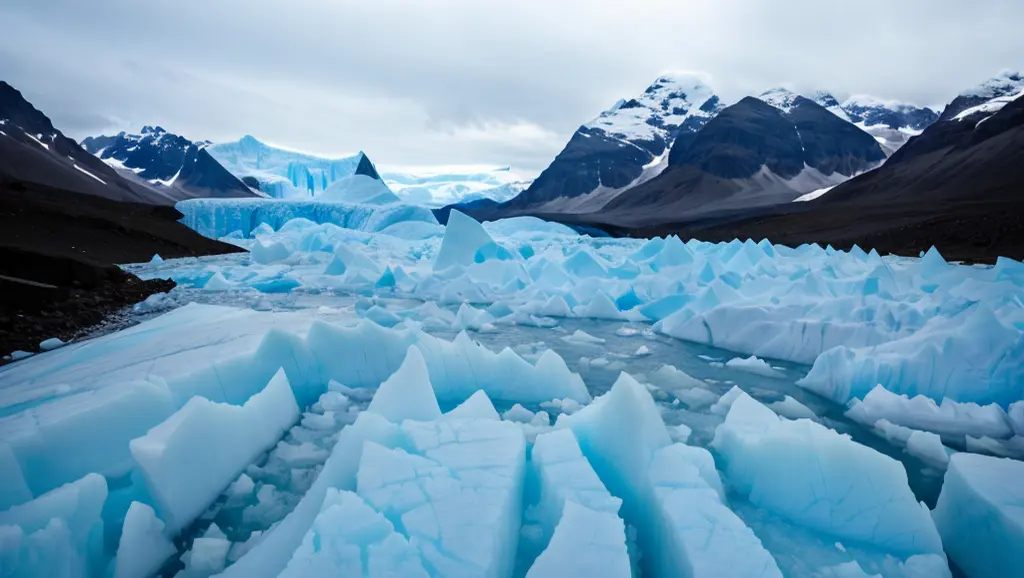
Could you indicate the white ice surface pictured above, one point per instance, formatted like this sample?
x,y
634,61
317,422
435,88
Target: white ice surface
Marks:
x,y
922,413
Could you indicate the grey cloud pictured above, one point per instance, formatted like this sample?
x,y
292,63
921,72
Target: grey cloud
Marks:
x,y
412,82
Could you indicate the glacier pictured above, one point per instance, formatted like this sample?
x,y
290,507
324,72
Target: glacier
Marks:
x,y
287,174
367,392
979,517
283,173
245,216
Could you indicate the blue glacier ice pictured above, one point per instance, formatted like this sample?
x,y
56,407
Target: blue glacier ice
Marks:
x,y
282,173
669,491
349,538
815,477
979,515
512,398
219,440
220,218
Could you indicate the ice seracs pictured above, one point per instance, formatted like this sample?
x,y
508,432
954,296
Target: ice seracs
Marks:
x,y
344,399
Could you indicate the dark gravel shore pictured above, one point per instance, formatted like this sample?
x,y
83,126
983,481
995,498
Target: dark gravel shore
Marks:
x,y
58,256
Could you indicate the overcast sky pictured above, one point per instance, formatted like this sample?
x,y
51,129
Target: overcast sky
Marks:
x,y
484,82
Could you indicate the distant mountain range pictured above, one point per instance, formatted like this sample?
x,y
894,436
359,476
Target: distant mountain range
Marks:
x,y
892,123
618,162
752,154
725,161
975,151
674,154
166,159
957,185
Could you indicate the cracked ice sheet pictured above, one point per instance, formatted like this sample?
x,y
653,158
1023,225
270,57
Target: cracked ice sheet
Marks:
x,y
815,478
456,493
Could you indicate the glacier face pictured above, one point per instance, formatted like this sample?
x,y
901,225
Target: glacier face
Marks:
x,y
370,392
283,174
222,218
286,174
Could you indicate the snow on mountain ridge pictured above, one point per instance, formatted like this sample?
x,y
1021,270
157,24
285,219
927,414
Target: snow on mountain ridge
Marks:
x,y
866,100
990,106
891,122
160,157
1003,84
780,97
665,105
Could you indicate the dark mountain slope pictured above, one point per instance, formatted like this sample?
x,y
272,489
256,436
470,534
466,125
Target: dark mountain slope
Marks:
x,y
168,160
621,147
750,156
32,150
959,186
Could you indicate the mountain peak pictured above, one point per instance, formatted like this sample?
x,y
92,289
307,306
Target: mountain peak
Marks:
x,y
780,97
825,98
682,80
366,168
1005,83
657,113
20,112
864,101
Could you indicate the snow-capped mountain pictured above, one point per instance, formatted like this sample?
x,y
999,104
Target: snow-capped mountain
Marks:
x,y
283,173
624,146
33,150
165,159
755,153
966,121
781,98
962,172
870,111
452,185
989,96
890,122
